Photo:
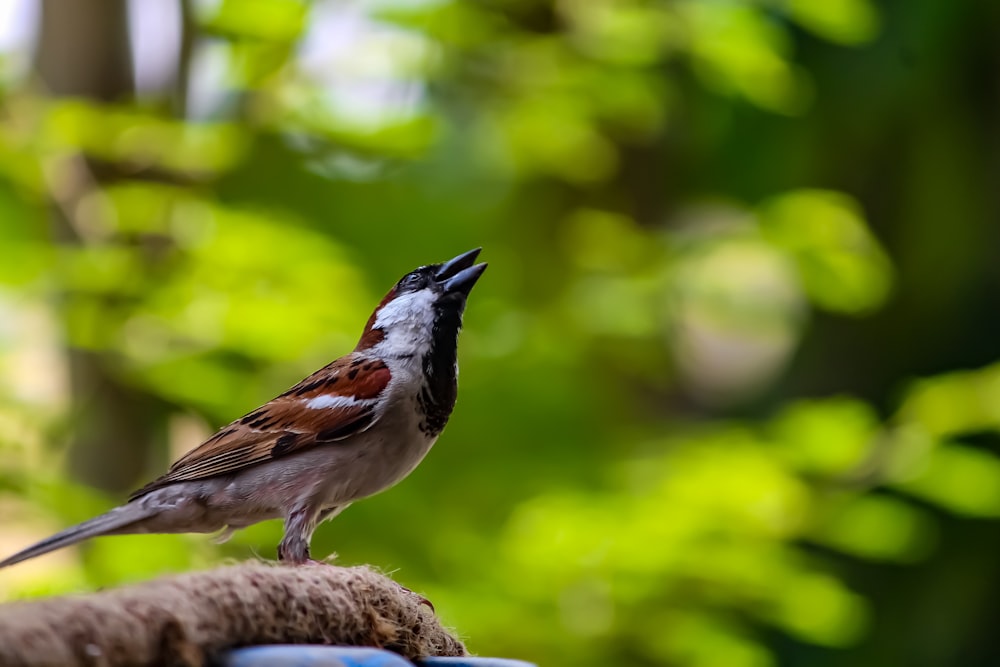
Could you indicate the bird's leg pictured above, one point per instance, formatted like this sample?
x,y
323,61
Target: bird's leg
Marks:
x,y
299,526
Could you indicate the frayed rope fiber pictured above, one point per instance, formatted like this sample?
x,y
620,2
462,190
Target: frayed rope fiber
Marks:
x,y
188,619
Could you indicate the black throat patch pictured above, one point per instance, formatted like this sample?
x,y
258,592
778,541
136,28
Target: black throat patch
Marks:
x,y
437,395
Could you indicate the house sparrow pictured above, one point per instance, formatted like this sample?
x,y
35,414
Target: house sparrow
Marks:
x,y
351,429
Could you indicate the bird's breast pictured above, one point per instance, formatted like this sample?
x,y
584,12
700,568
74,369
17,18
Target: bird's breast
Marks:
x,y
389,450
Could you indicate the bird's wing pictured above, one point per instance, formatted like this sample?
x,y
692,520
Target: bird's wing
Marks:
x,y
333,403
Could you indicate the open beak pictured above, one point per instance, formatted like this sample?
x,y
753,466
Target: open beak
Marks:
x,y
460,274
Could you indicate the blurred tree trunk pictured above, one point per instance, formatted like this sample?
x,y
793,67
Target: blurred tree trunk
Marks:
x,y
83,51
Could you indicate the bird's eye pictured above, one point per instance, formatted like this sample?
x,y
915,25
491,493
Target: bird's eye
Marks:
x,y
410,280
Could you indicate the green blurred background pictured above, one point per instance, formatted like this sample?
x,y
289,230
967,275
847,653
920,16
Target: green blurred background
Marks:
x,y
730,390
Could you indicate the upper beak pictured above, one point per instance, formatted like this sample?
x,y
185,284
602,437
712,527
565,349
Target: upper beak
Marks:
x,y
459,274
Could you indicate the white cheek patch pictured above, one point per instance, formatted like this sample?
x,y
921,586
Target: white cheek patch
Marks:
x,y
414,309
332,401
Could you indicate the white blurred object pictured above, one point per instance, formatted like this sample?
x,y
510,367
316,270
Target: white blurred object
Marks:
x,y
738,310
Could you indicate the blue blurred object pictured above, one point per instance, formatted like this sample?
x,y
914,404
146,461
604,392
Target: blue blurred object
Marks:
x,y
287,655
291,655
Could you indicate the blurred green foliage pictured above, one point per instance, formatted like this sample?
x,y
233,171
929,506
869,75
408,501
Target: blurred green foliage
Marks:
x,y
726,238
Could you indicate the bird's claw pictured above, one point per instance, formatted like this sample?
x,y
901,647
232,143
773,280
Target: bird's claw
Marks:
x,y
421,598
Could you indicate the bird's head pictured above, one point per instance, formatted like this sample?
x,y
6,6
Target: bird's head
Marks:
x,y
425,304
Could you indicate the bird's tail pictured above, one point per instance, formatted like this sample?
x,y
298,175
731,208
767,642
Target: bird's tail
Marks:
x,y
117,520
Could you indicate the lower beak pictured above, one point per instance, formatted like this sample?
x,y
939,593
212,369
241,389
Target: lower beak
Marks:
x,y
460,274
464,280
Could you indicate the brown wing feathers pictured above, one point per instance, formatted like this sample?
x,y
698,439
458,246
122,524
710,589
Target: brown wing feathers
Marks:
x,y
329,405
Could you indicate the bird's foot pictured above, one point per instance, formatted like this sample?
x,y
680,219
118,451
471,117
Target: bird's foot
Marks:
x,y
293,551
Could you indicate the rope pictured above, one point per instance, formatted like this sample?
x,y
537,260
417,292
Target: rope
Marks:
x,y
188,619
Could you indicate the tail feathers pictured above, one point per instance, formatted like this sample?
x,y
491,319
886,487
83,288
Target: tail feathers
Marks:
x,y
116,520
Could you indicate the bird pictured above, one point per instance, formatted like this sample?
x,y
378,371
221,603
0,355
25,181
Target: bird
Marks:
x,y
355,427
